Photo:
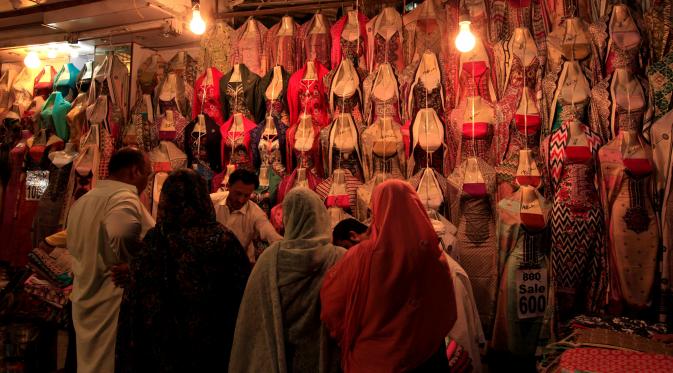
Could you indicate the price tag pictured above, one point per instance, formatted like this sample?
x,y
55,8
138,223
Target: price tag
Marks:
x,y
531,290
36,183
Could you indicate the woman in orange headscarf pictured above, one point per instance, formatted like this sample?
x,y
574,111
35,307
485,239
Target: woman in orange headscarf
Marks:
x,y
390,301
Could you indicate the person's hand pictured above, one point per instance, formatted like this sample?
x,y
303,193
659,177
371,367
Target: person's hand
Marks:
x,y
120,275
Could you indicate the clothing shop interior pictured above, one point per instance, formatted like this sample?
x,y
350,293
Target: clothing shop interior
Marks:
x,y
532,138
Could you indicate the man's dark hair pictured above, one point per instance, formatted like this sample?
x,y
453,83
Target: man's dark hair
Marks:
x,y
244,176
342,230
125,158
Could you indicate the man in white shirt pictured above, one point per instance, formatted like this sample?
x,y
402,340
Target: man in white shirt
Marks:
x,y
103,225
235,211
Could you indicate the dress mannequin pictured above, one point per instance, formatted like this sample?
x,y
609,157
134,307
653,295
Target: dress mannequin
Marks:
x,y
427,146
303,142
316,39
382,96
570,97
282,44
345,95
340,146
426,90
349,39
236,133
319,25
383,149
385,35
508,15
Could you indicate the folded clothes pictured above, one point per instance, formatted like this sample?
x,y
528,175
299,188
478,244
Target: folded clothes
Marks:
x,y
45,291
55,267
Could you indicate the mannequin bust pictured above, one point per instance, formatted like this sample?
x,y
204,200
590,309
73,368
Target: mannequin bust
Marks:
x,y
310,71
344,141
478,53
483,113
577,135
472,173
428,190
200,126
351,31
527,172
576,44
169,88
286,26
575,87
63,157
275,88
523,45
623,29
236,74
168,123
237,125
627,89
305,135
429,72
319,26
344,81
385,145
251,29
530,203
385,85
428,131
386,24
301,180
209,77
269,128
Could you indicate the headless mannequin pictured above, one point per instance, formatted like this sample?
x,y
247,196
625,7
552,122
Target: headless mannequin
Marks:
x,y
251,30
236,74
575,87
286,26
430,75
623,29
387,27
523,46
351,31
472,173
575,44
169,89
428,190
344,139
345,81
482,113
269,128
168,124
237,125
310,71
385,85
577,135
305,135
476,8
319,26
275,88
301,180
386,144
430,131
628,90
527,172
200,126
530,203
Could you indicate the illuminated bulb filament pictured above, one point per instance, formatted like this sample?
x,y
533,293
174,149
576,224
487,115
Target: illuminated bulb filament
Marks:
x,y
197,24
465,40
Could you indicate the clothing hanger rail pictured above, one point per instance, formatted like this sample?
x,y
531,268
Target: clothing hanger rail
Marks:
x,y
308,6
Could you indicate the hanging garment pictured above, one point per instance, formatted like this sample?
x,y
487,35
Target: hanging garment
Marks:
x,y
308,96
6,96
433,190
248,47
171,127
356,49
506,15
570,40
612,55
284,50
44,81
50,218
345,94
236,148
276,106
76,118
426,29
111,79
473,212
66,81
660,77
54,112
385,38
174,93
165,158
186,67
578,259
339,191
626,186
217,45
300,177
383,150
240,97
142,130
382,82
269,148
523,244
662,151
658,22
607,118
207,95
99,115
83,82
556,108
265,196
30,120
419,96
317,44
340,143
204,149
304,158
427,143
149,74
23,90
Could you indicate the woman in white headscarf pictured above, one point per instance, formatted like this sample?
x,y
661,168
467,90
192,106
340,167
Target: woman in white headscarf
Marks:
x,y
278,328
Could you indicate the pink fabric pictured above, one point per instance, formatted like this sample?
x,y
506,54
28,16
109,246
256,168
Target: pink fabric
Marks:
x,y
248,126
338,29
390,301
638,167
613,361
338,201
578,154
533,181
477,190
481,130
528,124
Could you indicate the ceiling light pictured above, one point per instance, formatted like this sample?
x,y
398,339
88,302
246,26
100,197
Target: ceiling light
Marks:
x,y
32,60
465,41
51,53
197,24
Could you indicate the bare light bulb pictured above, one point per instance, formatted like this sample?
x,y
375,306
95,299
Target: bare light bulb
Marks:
x,y
197,24
32,60
465,41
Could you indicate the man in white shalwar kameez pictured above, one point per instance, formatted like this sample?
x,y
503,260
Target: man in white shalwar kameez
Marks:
x,y
101,226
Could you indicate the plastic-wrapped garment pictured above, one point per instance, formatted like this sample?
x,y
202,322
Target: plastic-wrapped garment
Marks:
x,y
54,112
111,79
83,80
66,82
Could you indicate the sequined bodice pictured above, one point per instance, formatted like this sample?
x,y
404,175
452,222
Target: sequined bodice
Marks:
x,y
275,108
386,50
310,99
352,49
385,108
475,77
425,98
628,120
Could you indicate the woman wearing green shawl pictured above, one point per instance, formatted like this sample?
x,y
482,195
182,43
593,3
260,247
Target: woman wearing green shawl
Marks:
x,y
278,328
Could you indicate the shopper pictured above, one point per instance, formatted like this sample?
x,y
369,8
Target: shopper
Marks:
x,y
187,282
348,233
279,328
103,225
390,301
235,211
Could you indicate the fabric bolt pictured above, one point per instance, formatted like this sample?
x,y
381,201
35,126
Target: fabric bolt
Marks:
x,y
216,46
633,230
520,246
66,81
187,280
207,95
375,329
308,96
473,213
609,361
578,258
248,46
283,296
241,95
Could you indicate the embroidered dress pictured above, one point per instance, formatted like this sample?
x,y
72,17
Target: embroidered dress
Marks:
x,y
472,212
308,96
354,50
248,46
342,140
235,96
633,232
216,46
383,150
317,45
507,15
385,34
578,261
207,96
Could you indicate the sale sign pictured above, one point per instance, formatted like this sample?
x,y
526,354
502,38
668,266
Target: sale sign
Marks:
x,y
532,291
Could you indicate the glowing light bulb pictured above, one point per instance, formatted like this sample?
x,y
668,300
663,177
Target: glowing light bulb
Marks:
x,y
465,41
197,24
32,60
